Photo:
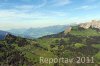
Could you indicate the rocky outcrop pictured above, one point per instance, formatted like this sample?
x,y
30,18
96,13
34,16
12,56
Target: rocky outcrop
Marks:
x,y
92,24
67,30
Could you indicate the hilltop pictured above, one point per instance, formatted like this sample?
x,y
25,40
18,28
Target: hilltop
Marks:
x,y
85,29
93,24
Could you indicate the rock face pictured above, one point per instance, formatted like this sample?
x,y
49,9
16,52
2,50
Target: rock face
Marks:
x,y
92,24
67,30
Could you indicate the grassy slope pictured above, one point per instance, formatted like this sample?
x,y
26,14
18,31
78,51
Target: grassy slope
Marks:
x,y
86,32
32,52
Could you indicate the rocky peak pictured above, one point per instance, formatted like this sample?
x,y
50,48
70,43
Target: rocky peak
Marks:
x,y
92,24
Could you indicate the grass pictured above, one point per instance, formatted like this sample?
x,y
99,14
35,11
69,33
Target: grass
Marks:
x,y
47,41
97,56
87,32
79,45
33,53
96,46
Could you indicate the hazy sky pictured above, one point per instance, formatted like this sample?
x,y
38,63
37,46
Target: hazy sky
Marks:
x,y
41,13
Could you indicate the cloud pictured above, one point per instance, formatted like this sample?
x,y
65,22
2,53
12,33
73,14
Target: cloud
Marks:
x,y
24,7
61,2
42,4
59,13
38,5
86,7
20,19
11,15
90,1
22,4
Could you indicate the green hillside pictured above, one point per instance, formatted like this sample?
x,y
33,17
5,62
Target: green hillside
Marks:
x,y
84,32
17,51
78,42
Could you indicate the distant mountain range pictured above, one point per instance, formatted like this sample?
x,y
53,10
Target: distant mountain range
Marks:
x,y
38,32
84,29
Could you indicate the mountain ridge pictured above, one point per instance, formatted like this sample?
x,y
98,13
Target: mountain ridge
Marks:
x,y
92,24
38,32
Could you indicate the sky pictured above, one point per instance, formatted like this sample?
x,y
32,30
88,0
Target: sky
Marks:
x,y
15,14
